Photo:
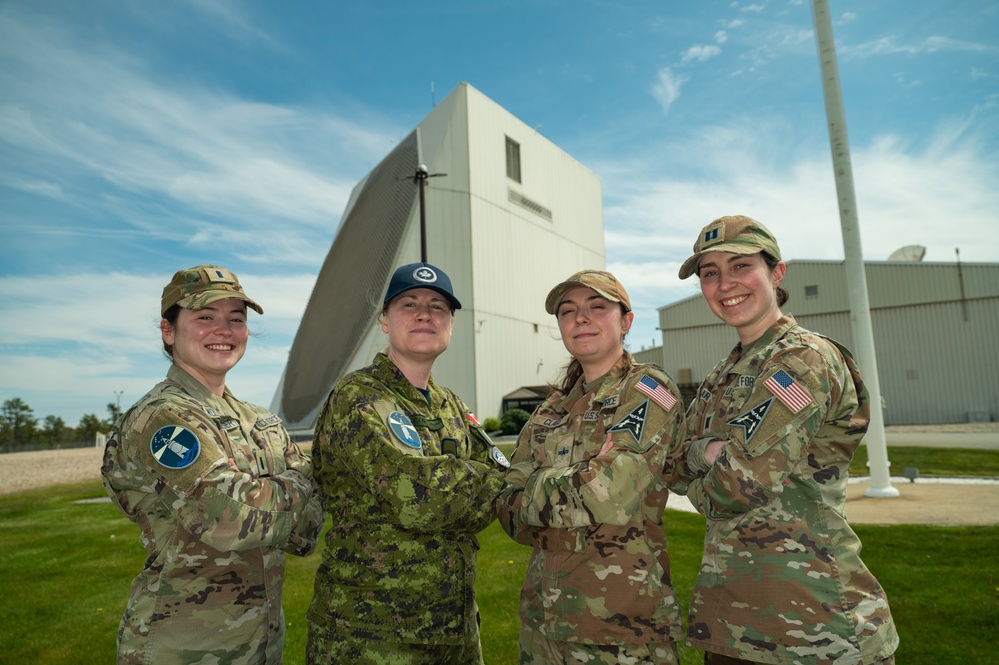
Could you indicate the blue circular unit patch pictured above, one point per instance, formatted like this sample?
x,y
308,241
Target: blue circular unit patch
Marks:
x,y
403,429
500,458
175,447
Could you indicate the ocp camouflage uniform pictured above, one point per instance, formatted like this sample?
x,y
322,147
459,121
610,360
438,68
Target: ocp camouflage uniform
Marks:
x,y
219,492
599,573
781,579
408,484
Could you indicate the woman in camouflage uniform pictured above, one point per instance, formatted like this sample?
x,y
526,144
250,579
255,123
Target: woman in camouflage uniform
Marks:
x,y
774,427
587,489
217,488
409,477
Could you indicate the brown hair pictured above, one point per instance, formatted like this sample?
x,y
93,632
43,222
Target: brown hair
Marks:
x,y
170,316
772,262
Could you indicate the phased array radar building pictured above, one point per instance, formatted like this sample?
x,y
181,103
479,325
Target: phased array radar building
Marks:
x,y
934,334
510,216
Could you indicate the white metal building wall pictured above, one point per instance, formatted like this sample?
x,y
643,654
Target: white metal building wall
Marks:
x,y
518,254
937,357
933,366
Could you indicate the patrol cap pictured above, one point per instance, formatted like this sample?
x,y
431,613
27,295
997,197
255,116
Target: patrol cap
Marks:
x,y
600,281
421,276
200,286
736,234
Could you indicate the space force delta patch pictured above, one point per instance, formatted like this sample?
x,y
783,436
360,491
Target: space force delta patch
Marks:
x,y
175,447
750,421
634,422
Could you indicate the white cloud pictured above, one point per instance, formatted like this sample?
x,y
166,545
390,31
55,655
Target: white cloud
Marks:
x,y
72,112
667,89
721,36
941,196
700,53
101,330
933,44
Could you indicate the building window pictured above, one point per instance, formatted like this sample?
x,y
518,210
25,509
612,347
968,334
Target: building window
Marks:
x,y
512,159
811,291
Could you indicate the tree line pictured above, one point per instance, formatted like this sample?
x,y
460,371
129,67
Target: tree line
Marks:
x,y
20,430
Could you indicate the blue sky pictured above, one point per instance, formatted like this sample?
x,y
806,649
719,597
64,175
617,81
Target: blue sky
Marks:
x,y
137,138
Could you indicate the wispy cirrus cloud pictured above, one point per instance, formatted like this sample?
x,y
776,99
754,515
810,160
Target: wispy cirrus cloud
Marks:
x,y
666,89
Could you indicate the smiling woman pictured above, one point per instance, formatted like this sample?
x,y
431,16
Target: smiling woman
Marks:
x,y
773,430
217,487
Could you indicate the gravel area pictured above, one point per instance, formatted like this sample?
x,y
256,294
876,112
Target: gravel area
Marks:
x,y
27,471
938,503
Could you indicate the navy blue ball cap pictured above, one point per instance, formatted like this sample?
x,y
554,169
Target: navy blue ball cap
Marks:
x,y
421,276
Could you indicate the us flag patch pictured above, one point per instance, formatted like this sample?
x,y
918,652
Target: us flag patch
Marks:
x,y
787,391
659,395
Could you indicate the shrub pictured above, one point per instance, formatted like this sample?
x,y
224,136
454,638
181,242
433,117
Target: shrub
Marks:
x,y
514,420
491,424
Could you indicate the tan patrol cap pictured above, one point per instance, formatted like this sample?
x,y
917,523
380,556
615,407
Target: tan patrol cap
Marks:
x,y
600,281
735,235
200,286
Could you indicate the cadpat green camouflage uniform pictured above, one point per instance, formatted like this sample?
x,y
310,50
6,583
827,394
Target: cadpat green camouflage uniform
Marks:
x,y
408,484
218,491
599,573
781,579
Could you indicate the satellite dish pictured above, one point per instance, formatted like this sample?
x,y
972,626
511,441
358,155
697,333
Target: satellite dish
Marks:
x,y
908,253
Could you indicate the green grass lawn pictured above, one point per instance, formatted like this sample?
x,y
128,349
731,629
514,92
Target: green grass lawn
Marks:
x,y
952,462
65,571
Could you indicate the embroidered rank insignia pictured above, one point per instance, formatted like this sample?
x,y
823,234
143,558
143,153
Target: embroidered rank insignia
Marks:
x,y
634,422
404,430
788,391
750,421
175,447
500,458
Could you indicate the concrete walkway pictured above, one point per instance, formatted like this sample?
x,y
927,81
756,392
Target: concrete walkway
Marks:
x,y
978,440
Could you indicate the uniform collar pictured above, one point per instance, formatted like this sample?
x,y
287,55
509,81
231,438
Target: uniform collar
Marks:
x,y
740,355
195,388
603,387
399,380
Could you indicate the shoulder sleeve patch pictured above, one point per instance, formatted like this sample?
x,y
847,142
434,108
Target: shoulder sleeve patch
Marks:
x,y
403,429
175,447
403,432
659,393
633,422
793,394
499,457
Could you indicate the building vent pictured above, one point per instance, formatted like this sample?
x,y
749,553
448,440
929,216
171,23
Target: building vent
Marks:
x,y
525,202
